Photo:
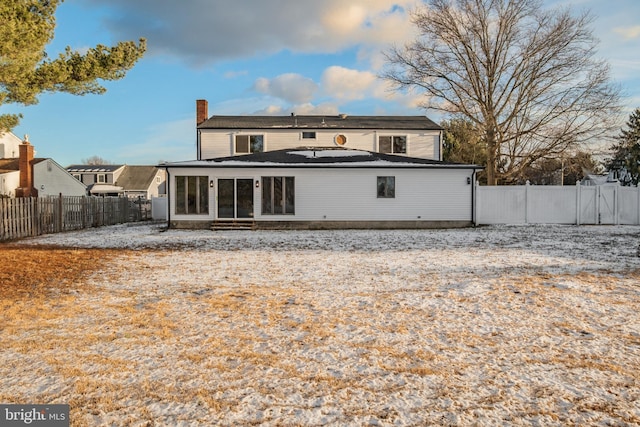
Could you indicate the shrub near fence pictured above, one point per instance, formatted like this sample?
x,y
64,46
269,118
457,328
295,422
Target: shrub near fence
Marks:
x,y
33,216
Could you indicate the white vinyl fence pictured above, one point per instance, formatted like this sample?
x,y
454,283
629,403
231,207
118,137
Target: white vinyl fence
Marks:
x,y
546,204
159,206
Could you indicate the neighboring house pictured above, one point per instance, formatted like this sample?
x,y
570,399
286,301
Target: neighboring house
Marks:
x,y
293,172
9,177
120,180
29,176
99,179
142,181
222,136
9,144
591,179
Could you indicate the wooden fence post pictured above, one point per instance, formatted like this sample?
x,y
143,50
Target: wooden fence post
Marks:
x,y
2,211
60,214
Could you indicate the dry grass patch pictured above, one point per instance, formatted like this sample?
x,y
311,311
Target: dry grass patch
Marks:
x,y
40,270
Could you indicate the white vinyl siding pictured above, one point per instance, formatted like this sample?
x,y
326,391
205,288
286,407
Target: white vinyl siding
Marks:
x,y
425,146
221,143
349,194
51,179
216,144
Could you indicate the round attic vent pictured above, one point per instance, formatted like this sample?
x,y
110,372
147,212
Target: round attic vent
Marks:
x,y
341,140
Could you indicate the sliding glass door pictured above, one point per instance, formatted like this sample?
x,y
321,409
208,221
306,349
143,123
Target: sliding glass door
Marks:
x,y
235,198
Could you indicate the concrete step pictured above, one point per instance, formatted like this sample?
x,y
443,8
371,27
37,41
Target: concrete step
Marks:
x,y
221,225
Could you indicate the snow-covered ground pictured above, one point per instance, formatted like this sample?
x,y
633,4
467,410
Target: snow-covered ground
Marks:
x,y
517,325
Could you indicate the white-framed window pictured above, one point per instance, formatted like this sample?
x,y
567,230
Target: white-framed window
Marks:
x,y
77,176
392,144
308,135
246,144
278,195
192,195
101,178
386,187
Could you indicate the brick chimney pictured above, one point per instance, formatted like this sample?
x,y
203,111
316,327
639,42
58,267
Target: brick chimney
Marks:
x,y
202,111
25,164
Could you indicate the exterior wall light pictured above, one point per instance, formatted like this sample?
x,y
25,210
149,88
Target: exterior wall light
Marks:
x,y
211,184
257,183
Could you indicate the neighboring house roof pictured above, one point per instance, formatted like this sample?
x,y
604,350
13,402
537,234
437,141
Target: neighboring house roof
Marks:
x,y
137,177
93,168
12,165
8,165
342,121
320,157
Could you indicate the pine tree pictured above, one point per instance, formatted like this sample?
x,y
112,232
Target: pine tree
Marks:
x,y
26,28
626,152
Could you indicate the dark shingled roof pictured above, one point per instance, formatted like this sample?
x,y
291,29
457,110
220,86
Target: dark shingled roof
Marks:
x,y
319,157
13,164
93,168
317,122
137,177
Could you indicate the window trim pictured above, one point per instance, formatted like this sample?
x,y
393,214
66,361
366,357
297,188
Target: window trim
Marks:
x,y
182,207
287,192
388,189
393,136
103,176
340,140
248,136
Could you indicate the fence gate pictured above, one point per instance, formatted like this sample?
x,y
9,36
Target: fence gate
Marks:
x,y
607,204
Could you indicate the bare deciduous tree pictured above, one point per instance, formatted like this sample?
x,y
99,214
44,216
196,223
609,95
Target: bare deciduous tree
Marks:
x,y
527,78
96,160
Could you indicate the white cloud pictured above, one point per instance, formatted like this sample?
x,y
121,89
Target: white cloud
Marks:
x,y
204,31
290,87
339,86
301,109
348,84
628,33
234,74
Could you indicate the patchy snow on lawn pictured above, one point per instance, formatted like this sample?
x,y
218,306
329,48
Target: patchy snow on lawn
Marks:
x,y
501,325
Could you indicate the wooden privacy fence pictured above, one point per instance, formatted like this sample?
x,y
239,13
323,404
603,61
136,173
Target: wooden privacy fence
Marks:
x,y
33,216
547,204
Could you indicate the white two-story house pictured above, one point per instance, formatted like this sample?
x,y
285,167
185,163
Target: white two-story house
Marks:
x,y
319,172
222,136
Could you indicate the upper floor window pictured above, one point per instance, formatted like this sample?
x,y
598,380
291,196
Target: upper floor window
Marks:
x,y
246,144
392,144
102,178
308,135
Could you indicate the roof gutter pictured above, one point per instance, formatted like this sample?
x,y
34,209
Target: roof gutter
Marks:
x,y
323,166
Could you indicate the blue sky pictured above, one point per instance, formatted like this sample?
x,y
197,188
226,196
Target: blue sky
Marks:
x,y
250,57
